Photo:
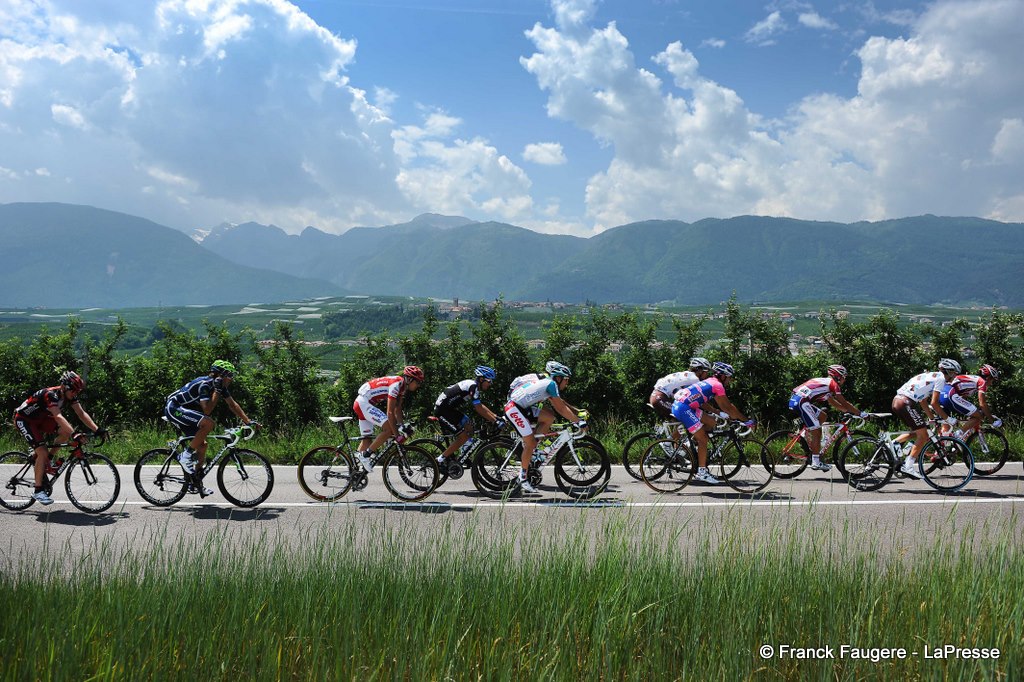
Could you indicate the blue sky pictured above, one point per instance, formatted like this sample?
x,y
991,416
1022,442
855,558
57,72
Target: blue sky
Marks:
x,y
565,116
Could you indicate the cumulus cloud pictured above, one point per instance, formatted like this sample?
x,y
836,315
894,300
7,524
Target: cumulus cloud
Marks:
x,y
815,20
545,153
934,128
764,31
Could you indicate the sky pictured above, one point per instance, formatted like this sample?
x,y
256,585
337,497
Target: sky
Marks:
x,y
562,116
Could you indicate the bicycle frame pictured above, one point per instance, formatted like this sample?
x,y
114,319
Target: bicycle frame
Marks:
x,y
232,437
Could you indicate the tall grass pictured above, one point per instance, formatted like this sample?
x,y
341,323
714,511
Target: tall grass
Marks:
x,y
481,600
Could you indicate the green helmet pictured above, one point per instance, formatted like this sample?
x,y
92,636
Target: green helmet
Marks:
x,y
222,367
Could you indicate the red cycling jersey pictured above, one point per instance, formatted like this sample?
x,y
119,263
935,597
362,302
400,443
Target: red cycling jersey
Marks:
x,y
377,391
817,390
968,385
38,405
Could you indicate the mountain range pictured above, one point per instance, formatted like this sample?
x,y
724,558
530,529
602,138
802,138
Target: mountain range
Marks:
x,y
62,255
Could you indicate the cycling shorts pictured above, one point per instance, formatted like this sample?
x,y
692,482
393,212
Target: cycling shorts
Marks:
x,y
908,412
688,416
954,403
662,404
185,419
518,416
369,416
809,414
36,431
451,421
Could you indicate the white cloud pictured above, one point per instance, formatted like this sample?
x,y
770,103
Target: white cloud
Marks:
x,y
68,116
713,42
764,31
545,153
934,109
815,20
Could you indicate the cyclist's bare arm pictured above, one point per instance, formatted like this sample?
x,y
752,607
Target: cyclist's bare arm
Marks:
x,y
237,409
983,404
729,408
484,412
936,409
563,408
843,404
84,417
394,412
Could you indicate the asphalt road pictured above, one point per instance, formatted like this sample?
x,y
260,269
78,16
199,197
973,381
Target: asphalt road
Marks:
x,y
902,514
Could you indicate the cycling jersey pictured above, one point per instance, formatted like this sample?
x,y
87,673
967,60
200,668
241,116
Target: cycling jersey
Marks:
x,y
457,395
695,395
192,394
968,384
817,390
535,392
37,405
673,382
922,386
377,391
522,381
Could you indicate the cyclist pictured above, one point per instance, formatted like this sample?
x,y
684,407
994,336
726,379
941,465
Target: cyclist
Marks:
x,y
954,397
530,394
924,391
386,392
686,409
450,403
665,388
826,391
189,408
40,416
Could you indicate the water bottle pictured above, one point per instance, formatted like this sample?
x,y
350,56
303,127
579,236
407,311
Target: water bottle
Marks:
x,y
958,434
466,446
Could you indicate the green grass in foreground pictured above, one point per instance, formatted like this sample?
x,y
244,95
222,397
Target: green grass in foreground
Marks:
x,y
375,600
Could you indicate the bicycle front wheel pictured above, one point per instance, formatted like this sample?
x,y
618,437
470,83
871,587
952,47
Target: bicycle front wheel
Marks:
x,y
409,473
947,464
159,478
750,463
990,450
868,464
582,469
245,478
92,483
667,467
634,451
496,466
17,481
325,473
789,452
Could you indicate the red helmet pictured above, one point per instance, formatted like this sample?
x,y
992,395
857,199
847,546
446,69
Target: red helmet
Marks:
x,y
989,372
837,372
413,372
71,381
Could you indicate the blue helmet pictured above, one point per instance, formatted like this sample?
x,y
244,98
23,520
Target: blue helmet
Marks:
x,y
723,368
485,372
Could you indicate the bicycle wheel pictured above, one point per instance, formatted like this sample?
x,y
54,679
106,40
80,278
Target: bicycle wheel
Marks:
x,y
789,452
17,481
245,478
751,464
409,473
582,469
434,446
325,473
159,478
634,450
946,463
838,446
667,467
868,464
92,483
990,449
496,465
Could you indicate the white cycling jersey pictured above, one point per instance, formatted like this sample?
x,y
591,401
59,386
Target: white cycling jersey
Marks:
x,y
671,383
922,386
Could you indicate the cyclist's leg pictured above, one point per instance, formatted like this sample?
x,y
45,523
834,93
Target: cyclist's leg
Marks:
x,y
811,418
662,405
909,413
453,424
198,444
545,418
522,425
370,416
35,431
693,420
965,410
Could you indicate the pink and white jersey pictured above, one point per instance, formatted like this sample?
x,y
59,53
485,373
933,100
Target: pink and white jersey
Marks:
x,y
817,390
968,384
922,386
695,395
673,382
379,390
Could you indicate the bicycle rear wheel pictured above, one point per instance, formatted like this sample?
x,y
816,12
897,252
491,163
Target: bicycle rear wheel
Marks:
x,y
947,464
582,469
750,463
245,478
868,464
92,483
325,473
159,478
496,466
634,451
667,467
410,473
990,449
789,452
17,481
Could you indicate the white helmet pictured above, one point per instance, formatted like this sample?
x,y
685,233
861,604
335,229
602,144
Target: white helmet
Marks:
x,y
700,363
557,369
950,365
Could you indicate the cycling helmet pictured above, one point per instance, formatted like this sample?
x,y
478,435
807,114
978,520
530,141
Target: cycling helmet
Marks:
x,y
557,369
700,363
72,381
485,372
722,369
837,372
413,372
950,365
222,367
989,372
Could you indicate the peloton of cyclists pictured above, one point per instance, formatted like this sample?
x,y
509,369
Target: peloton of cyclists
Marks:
x,y
387,392
39,417
825,391
916,402
665,388
449,410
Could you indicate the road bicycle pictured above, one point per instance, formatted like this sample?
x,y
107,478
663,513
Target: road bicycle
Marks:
x,y
244,476
743,462
91,480
582,467
461,459
945,463
638,444
792,454
328,472
989,446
